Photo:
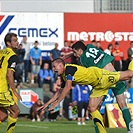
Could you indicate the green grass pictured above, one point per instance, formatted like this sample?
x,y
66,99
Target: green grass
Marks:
x,y
26,126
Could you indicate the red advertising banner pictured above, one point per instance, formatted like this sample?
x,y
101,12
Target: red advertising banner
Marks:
x,y
106,28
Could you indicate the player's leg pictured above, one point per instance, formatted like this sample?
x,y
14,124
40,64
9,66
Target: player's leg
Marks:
x,y
12,118
7,102
119,94
126,75
125,111
3,114
97,117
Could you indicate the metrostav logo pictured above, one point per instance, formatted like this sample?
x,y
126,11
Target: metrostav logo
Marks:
x,y
108,36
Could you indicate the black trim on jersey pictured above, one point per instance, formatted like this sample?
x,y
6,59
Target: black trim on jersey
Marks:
x,y
12,59
62,83
70,70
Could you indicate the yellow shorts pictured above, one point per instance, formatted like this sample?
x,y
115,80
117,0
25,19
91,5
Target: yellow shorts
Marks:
x,y
108,79
6,99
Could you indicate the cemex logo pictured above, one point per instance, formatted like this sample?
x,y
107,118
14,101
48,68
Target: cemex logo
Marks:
x,y
29,32
35,32
5,22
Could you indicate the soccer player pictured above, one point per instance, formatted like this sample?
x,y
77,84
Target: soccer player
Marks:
x,y
91,56
8,61
99,79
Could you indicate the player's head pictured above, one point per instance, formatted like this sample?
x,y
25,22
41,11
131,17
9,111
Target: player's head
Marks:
x,y
11,40
78,48
58,66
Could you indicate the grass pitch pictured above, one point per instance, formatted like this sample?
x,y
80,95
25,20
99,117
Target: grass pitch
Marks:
x,y
26,126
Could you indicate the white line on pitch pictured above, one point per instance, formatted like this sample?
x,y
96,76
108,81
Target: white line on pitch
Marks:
x,y
30,126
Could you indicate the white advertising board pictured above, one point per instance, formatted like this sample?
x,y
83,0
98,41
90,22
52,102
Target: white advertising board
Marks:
x,y
46,28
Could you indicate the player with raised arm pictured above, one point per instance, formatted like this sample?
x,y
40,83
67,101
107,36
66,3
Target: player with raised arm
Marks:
x,y
8,61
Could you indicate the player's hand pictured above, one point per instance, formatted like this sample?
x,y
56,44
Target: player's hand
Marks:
x,y
55,104
43,107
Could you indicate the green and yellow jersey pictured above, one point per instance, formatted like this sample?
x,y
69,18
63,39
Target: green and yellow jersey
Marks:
x,y
8,60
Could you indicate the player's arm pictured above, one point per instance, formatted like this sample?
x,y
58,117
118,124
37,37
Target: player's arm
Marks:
x,y
67,55
53,99
10,74
69,72
65,91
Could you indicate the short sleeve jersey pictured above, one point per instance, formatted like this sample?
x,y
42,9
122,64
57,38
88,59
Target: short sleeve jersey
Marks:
x,y
93,56
8,60
82,75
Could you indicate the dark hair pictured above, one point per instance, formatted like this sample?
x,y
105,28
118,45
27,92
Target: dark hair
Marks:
x,y
116,43
98,42
59,60
36,42
71,42
93,41
131,42
79,45
8,37
109,45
